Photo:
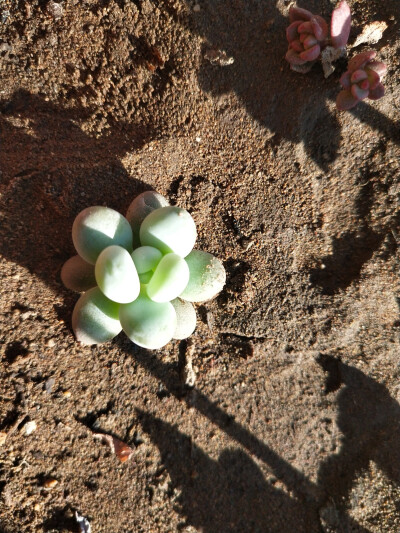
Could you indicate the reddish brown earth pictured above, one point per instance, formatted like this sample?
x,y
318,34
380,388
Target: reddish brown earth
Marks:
x,y
293,425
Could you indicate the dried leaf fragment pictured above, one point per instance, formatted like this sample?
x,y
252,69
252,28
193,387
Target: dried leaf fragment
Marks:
x,y
121,450
218,57
328,56
371,34
188,373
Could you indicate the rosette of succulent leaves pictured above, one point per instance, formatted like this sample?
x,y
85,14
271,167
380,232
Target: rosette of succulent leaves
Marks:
x,y
309,36
138,273
312,39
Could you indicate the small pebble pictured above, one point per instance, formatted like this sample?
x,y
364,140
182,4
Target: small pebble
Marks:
x,y
50,483
51,343
55,10
196,8
30,427
49,385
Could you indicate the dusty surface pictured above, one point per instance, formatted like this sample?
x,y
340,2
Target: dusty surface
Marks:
x,y
293,425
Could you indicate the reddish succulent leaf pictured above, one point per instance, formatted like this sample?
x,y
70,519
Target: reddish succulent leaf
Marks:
x,y
293,58
377,93
291,31
345,100
373,78
320,27
310,41
358,75
297,46
305,27
311,54
358,92
340,25
297,13
360,60
378,67
345,80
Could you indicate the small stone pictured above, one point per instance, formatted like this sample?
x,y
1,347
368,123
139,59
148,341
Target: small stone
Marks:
x,y
196,8
50,483
48,386
5,47
51,343
67,394
29,427
55,10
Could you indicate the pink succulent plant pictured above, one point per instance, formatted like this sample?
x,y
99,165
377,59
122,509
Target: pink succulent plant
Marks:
x,y
308,35
361,80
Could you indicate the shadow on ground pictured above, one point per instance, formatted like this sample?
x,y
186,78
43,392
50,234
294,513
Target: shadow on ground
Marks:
x,y
289,105
50,171
217,495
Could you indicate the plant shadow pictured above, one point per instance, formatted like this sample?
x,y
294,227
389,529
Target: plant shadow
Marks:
x,y
369,420
62,171
229,494
286,104
213,491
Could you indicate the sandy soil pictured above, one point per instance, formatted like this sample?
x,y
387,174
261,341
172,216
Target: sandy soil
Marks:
x,y
293,425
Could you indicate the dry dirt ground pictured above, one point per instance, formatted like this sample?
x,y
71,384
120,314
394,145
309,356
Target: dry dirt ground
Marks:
x,y
293,425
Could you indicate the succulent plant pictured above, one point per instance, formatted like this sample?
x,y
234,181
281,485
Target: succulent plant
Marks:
x,y
139,274
361,80
308,35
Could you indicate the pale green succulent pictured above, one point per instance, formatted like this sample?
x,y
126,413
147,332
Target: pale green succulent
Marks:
x,y
138,274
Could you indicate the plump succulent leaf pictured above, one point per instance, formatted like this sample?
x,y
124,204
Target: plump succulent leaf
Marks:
x,y
320,27
298,13
185,318
95,318
146,258
97,227
291,31
169,279
148,324
378,67
207,277
142,206
340,25
146,277
345,100
360,60
78,275
293,58
311,54
116,275
170,229
377,92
